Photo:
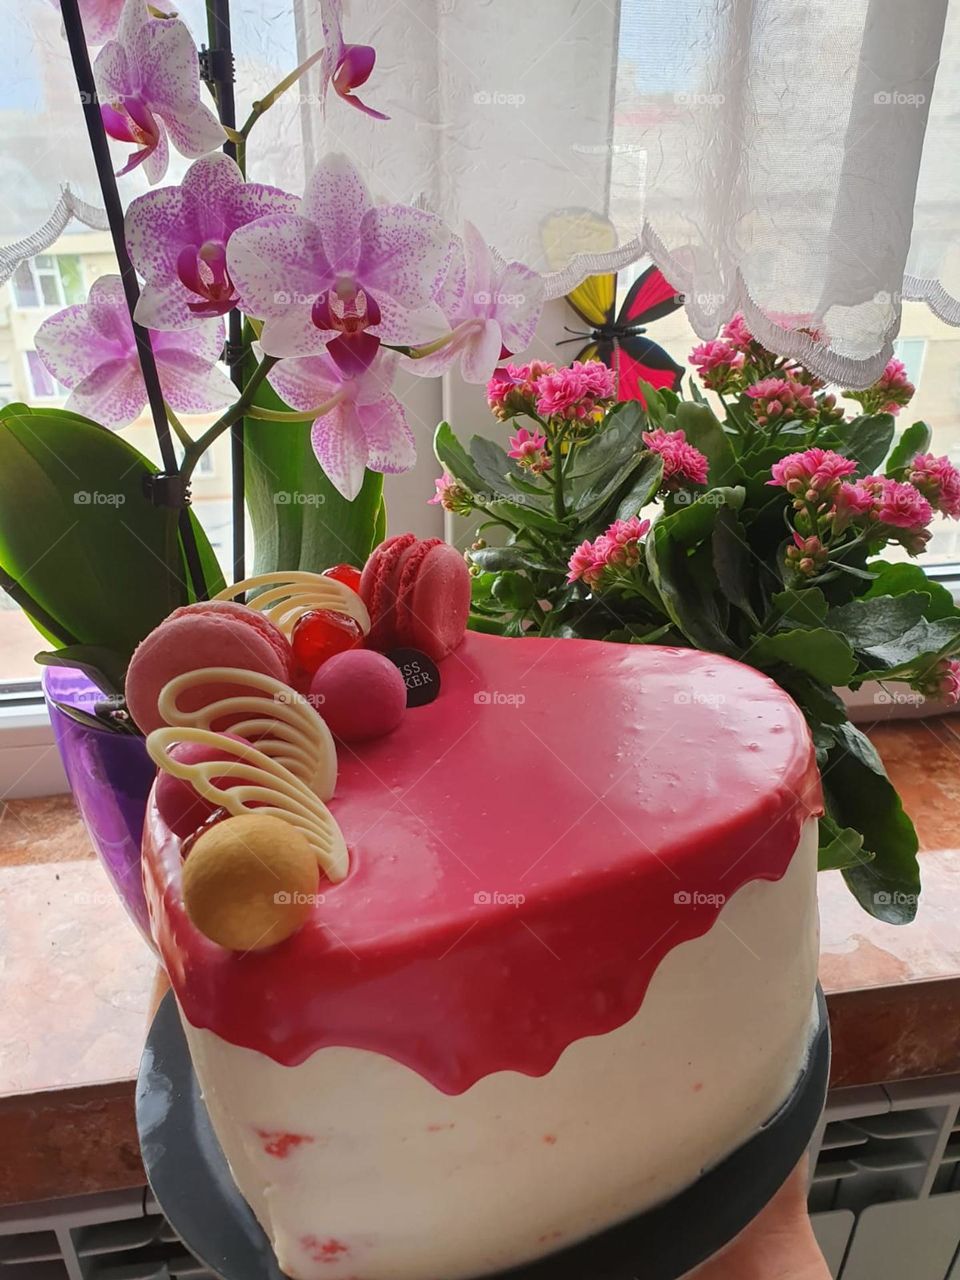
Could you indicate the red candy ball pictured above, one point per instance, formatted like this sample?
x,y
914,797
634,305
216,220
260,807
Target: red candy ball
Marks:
x,y
320,633
345,573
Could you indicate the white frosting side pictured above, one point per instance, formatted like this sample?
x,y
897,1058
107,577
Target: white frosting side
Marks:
x,y
402,1182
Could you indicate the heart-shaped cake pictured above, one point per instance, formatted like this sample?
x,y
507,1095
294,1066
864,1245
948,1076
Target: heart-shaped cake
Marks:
x,y
571,965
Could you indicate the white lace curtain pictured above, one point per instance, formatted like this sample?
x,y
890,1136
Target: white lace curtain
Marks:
x,y
794,159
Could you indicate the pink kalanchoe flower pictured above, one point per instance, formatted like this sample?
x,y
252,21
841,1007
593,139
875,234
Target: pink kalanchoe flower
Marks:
x,y
451,495
91,349
939,482
948,680
898,510
584,565
852,503
99,18
778,398
576,393
148,81
365,426
807,555
621,542
528,448
341,273
178,236
490,305
737,333
345,66
719,364
682,462
815,473
892,390
513,388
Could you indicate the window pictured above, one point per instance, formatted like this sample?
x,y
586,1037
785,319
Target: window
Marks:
x,y
49,280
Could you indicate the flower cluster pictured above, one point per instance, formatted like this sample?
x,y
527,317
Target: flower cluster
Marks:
x,y
892,390
611,556
815,474
528,448
782,400
575,394
720,365
513,389
682,463
939,482
451,496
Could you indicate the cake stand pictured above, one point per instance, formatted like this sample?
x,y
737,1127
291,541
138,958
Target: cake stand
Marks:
x,y
192,1184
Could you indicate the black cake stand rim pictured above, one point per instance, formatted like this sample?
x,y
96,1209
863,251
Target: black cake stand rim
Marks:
x,y
192,1184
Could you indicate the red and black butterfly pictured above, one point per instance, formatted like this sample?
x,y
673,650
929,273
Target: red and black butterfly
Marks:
x,y
620,340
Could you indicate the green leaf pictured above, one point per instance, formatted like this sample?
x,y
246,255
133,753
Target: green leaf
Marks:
x,y
877,620
526,516
300,521
489,626
915,439
514,557
496,470
915,651
657,408
733,561
894,579
820,653
452,456
513,590
692,524
614,445
686,583
644,483
799,607
840,847
867,439
78,534
705,433
861,796
209,564
821,705
105,667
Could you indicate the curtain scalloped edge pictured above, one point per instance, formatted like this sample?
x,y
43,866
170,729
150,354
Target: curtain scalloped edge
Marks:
x,y
842,370
68,208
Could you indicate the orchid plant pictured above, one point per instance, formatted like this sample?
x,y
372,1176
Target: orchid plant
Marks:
x,y
757,532
336,292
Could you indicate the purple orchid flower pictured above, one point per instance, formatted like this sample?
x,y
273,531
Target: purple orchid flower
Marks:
x,y
177,238
99,18
148,82
90,348
345,66
342,274
492,307
363,424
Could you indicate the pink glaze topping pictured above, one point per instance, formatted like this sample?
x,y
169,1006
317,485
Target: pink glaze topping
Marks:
x,y
524,851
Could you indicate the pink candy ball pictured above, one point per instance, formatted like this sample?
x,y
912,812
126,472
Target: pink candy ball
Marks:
x,y
360,694
177,803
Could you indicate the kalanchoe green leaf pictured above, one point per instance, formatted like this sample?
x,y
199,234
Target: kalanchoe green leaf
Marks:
x,y
867,623
901,577
803,607
915,439
514,557
840,847
823,654
913,654
861,796
704,432
513,590
867,439
644,483
451,454
494,468
733,561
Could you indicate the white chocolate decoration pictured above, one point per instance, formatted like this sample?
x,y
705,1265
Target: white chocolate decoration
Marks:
x,y
264,786
282,723
287,595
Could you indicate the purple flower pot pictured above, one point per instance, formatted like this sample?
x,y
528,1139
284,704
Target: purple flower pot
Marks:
x,y
110,775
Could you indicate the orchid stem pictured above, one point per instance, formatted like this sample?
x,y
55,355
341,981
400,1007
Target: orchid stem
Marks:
x,y
240,407
281,415
266,102
179,430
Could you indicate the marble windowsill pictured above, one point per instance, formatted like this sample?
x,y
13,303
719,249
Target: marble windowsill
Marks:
x,y
77,982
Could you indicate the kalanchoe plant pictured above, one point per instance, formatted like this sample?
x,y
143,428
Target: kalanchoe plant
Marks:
x,y
759,534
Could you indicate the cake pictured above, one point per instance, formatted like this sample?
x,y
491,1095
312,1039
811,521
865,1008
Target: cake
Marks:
x,y
571,965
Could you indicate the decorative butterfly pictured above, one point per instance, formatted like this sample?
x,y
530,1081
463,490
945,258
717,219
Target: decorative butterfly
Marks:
x,y
619,339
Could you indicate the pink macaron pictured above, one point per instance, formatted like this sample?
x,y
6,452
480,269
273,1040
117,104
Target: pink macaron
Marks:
x,y
418,594
210,633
